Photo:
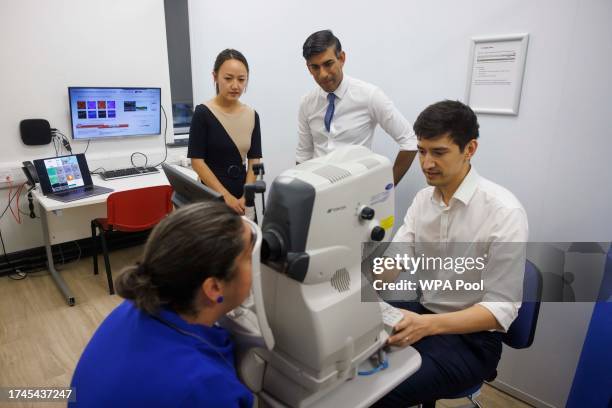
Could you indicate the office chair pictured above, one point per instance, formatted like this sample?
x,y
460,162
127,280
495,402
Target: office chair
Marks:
x,y
521,332
129,211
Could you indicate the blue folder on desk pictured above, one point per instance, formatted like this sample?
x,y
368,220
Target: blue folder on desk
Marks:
x,y
67,178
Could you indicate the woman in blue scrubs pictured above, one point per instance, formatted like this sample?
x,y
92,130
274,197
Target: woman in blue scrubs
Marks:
x,y
161,347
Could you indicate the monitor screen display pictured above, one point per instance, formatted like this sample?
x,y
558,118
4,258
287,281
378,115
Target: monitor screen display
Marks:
x,y
64,173
182,114
114,112
57,174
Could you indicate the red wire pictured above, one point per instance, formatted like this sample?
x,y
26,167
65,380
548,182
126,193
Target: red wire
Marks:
x,y
19,195
9,198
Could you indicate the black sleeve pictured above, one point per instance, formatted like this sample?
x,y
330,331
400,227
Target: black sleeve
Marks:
x,y
198,134
255,150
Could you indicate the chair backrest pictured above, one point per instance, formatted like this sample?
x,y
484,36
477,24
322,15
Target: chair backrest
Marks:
x,y
139,209
522,331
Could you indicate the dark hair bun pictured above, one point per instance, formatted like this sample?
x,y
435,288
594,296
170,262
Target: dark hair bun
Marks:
x,y
135,284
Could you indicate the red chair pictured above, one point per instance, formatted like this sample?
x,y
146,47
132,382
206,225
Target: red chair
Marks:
x,y
129,211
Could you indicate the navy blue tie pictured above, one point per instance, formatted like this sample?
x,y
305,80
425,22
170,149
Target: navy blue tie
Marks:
x,y
329,114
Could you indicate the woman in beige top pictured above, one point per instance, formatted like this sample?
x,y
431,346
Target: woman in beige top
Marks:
x,y
225,133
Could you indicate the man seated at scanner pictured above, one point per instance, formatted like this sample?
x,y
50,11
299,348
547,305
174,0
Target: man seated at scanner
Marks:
x,y
457,334
161,347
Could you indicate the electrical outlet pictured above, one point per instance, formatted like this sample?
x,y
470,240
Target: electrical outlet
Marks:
x,y
13,174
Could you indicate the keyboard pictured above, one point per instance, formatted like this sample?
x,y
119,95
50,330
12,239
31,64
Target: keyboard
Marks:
x,y
128,172
73,191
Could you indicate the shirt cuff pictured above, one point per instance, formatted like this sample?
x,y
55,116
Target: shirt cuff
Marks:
x,y
504,312
408,143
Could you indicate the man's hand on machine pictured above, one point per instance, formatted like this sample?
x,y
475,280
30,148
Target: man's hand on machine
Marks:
x,y
412,328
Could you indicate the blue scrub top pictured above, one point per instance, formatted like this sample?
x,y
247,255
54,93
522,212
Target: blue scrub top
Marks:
x,y
134,360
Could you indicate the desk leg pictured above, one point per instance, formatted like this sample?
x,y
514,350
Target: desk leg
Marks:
x,y
57,278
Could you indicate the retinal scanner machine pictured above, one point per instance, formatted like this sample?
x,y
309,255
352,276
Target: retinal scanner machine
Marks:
x,y
304,331
307,288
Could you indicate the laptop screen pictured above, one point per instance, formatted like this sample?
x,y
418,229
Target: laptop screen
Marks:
x,y
64,173
57,174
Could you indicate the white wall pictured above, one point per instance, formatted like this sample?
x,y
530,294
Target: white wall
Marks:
x,y
554,156
50,45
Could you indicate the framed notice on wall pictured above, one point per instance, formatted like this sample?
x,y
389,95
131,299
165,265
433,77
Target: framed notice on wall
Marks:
x,y
495,73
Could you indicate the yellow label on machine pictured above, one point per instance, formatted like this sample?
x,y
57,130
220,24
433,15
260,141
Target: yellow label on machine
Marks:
x,y
387,223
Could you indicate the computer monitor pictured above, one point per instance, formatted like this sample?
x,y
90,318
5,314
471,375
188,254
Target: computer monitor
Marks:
x,y
102,112
181,117
187,190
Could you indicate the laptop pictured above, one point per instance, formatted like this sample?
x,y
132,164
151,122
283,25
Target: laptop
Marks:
x,y
67,178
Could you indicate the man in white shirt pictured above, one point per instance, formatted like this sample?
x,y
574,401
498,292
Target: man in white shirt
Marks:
x,y
345,111
458,333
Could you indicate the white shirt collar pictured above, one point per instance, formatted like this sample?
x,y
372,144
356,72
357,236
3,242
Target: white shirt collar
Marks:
x,y
340,91
466,189
343,87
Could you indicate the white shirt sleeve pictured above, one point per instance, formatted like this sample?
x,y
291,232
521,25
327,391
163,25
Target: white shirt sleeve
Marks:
x,y
305,147
406,233
403,241
391,120
503,278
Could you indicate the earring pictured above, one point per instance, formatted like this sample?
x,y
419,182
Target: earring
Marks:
x,y
220,299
